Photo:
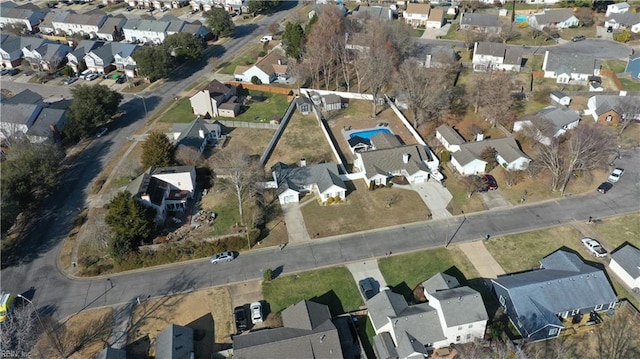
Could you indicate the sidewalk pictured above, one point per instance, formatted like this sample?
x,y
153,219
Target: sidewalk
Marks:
x,y
481,259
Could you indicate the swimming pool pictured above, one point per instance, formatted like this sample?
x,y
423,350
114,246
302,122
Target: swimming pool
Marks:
x,y
521,18
369,133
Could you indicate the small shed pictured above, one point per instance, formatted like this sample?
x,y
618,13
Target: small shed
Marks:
x,y
560,98
303,104
331,102
503,12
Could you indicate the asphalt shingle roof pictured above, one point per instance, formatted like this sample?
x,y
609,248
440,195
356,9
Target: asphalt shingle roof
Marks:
x,y
47,118
24,97
440,281
324,175
570,63
450,135
481,20
628,257
461,305
626,19
190,133
559,117
175,342
553,16
506,147
390,160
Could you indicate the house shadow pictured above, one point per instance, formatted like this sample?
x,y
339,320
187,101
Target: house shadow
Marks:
x,y
243,30
482,285
204,336
139,348
407,293
331,300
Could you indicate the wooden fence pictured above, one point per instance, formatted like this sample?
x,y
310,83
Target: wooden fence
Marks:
x,y
614,77
263,88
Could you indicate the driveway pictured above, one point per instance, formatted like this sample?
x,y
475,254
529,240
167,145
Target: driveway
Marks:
x,y
296,228
367,269
435,33
494,200
435,196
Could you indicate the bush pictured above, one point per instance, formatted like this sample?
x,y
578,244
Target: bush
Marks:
x,y
372,186
389,184
255,80
330,200
267,275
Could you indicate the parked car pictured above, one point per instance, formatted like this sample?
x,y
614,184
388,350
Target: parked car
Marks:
x,y
594,247
130,8
610,29
241,319
101,132
490,182
222,257
605,187
578,38
367,287
151,9
615,175
9,72
266,38
193,11
70,80
91,77
256,312
164,8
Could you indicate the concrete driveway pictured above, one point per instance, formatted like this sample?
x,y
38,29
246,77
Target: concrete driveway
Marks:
x,y
435,33
435,196
494,200
367,269
296,229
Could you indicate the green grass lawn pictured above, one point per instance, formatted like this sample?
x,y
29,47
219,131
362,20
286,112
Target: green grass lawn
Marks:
x,y
180,112
568,34
534,62
617,66
248,58
274,105
334,287
630,85
418,32
615,231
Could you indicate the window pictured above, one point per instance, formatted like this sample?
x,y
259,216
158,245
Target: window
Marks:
x,y
553,331
609,118
502,300
459,328
468,336
598,307
458,338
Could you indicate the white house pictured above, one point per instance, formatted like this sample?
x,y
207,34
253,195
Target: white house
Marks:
x,y
625,263
449,138
627,20
47,56
436,18
559,19
416,14
82,49
492,56
19,16
197,134
557,122
293,181
46,26
560,98
145,31
11,48
123,58
83,24
165,189
215,100
618,8
569,67
267,69
111,30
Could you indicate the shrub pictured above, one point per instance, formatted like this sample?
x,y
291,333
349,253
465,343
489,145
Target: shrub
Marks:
x,y
372,186
255,80
330,200
267,275
389,184
445,156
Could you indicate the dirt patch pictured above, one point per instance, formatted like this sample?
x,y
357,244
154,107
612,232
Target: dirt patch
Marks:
x,y
208,312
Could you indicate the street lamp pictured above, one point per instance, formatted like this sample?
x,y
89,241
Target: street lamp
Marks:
x,y
55,343
144,103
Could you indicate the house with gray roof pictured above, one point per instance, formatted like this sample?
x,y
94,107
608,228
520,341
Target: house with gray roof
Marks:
x,y
557,121
628,20
611,109
308,332
440,281
17,118
198,30
165,189
560,98
145,30
331,102
24,97
480,23
452,315
48,56
82,24
558,19
112,56
493,56
294,181
215,100
373,13
12,15
197,134
435,56
81,50
47,126
569,67
111,353
390,158
11,48
175,342
111,30
625,263
449,138
46,26
303,104
539,301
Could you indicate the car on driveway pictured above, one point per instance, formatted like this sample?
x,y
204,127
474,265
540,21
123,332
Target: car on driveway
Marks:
x,y
91,77
367,287
241,319
223,257
70,80
615,175
605,187
256,312
578,38
594,247
490,182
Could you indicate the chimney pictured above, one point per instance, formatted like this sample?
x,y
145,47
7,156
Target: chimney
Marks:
x,y
405,157
279,62
303,162
479,137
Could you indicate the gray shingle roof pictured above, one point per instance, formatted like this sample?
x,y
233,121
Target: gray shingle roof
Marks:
x,y
112,21
146,25
331,99
384,140
84,19
559,117
305,315
12,43
24,97
390,160
481,20
570,63
553,16
558,94
440,281
506,147
450,135
19,114
86,46
494,49
628,257
626,19
47,118
112,353
324,175
461,305
175,342
373,13
190,133
384,346
605,103
22,13
563,284
385,305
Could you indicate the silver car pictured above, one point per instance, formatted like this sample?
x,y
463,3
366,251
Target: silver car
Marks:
x,y
222,257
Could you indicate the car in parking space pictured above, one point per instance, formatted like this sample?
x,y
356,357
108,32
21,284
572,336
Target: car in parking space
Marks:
x,y
610,29
578,38
490,182
615,175
256,312
91,77
367,287
605,187
222,257
101,132
164,8
9,72
130,8
193,11
70,80
241,319
594,247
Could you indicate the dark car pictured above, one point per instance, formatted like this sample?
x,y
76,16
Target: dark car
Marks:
x,y
490,182
367,287
610,29
578,38
130,8
240,316
605,187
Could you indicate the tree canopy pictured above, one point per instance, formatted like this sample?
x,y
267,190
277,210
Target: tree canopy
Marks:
x,y
92,106
184,46
293,39
258,6
154,62
157,151
130,221
219,21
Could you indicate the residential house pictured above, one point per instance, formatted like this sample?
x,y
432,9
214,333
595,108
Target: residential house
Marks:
x,y
625,263
175,342
618,8
103,59
267,69
557,121
390,158
20,16
77,55
609,109
26,114
480,22
17,118
145,31
112,29
82,24
435,56
436,18
47,126
303,104
416,14
627,20
632,68
467,159
198,30
439,281
47,57
11,48
308,332
560,98
331,102
111,353
215,100
455,315
537,302
123,58
165,189
569,67
197,134
322,180
373,13
359,144
492,56
47,27
557,19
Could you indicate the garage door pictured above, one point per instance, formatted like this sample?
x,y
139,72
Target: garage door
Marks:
x,y
419,179
289,199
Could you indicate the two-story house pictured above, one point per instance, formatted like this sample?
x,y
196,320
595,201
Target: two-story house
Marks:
x,y
82,24
75,57
11,48
492,56
480,22
113,55
569,67
111,30
436,19
47,27
198,134
15,16
416,14
617,8
558,19
267,69
215,100
48,56
26,114
145,31
610,109
123,58
628,20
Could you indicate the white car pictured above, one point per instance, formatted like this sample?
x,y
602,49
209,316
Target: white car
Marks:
x,y
594,247
222,257
615,175
266,38
256,312
91,77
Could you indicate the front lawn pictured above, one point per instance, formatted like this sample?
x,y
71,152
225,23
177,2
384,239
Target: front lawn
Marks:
x,y
271,105
617,66
334,287
630,85
179,112
418,32
247,58
615,231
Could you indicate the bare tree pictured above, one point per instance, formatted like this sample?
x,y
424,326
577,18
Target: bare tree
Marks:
x,y
475,90
241,173
188,156
493,97
559,348
21,331
375,63
326,40
619,338
274,28
472,184
550,159
512,178
508,33
630,108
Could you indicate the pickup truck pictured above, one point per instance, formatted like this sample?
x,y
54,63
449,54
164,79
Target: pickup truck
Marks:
x,y
594,247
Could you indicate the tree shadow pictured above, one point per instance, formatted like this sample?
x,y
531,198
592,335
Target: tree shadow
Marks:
x,y
331,300
243,30
277,271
